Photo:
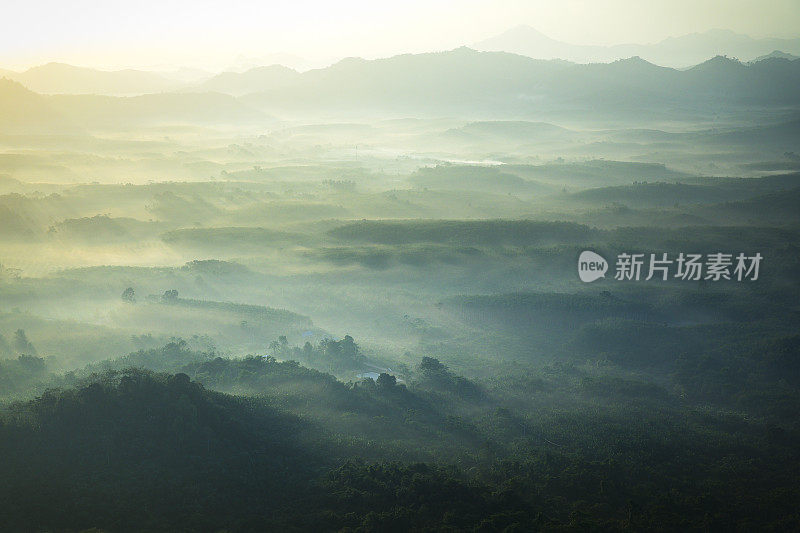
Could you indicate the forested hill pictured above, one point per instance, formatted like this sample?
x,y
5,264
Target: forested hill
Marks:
x,y
133,450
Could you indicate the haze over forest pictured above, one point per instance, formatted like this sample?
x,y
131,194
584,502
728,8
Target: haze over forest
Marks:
x,y
347,297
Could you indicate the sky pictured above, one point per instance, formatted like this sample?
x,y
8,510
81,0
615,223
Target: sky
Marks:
x,y
215,35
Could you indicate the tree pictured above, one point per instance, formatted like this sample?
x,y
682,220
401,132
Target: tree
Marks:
x,y
280,347
22,344
128,295
348,347
170,296
430,365
386,381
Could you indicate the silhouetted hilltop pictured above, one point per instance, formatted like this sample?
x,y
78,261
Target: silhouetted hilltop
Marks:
x,y
496,82
776,54
121,440
484,85
59,78
253,80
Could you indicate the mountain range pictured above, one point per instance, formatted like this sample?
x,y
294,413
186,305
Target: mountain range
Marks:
x,y
678,52
776,54
487,83
60,78
461,82
24,112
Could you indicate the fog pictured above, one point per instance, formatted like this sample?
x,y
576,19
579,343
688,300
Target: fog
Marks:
x,y
208,278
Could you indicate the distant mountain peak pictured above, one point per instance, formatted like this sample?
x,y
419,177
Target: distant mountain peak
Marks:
x,y
776,54
53,65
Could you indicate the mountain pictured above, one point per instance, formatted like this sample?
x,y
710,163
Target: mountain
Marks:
x,y
411,83
463,82
134,436
770,81
251,81
677,52
626,83
59,78
776,54
24,112
499,84
530,42
693,48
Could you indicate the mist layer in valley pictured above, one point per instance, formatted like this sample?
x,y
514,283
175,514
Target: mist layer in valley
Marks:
x,y
339,281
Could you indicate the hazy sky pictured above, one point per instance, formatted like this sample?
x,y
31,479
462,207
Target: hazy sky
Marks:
x,y
202,33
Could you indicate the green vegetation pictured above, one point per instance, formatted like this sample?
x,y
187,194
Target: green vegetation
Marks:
x,y
346,299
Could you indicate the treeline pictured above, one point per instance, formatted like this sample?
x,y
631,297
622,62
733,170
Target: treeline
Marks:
x,y
132,450
465,232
